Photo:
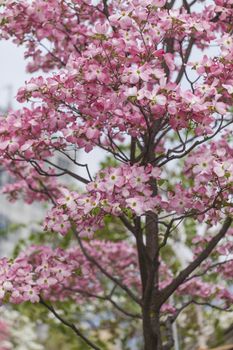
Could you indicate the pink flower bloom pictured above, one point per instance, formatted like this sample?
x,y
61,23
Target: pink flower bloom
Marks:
x,y
158,3
115,179
138,205
101,28
169,59
156,99
31,294
135,73
31,87
46,282
229,88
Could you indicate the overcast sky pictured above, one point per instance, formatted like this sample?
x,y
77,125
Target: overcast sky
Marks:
x,y
12,70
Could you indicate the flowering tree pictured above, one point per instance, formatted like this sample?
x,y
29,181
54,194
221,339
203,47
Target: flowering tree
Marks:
x,y
150,82
12,326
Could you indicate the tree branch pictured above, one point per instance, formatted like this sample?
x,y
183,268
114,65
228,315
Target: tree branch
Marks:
x,y
112,278
211,267
70,325
167,291
192,147
106,298
105,10
185,60
205,303
68,172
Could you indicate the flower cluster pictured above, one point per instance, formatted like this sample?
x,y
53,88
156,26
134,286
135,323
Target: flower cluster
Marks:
x,y
25,182
197,288
115,191
211,168
99,93
57,274
126,190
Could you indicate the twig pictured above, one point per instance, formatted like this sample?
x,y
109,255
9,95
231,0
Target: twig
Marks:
x,y
167,291
106,298
68,172
112,278
70,325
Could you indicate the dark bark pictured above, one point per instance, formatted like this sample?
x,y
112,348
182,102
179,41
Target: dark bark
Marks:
x,y
150,267
151,308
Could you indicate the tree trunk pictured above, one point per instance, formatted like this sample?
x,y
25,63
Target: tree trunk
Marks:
x,y
150,268
151,332
151,308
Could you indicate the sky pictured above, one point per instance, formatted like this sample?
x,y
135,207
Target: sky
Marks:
x,y
12,71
